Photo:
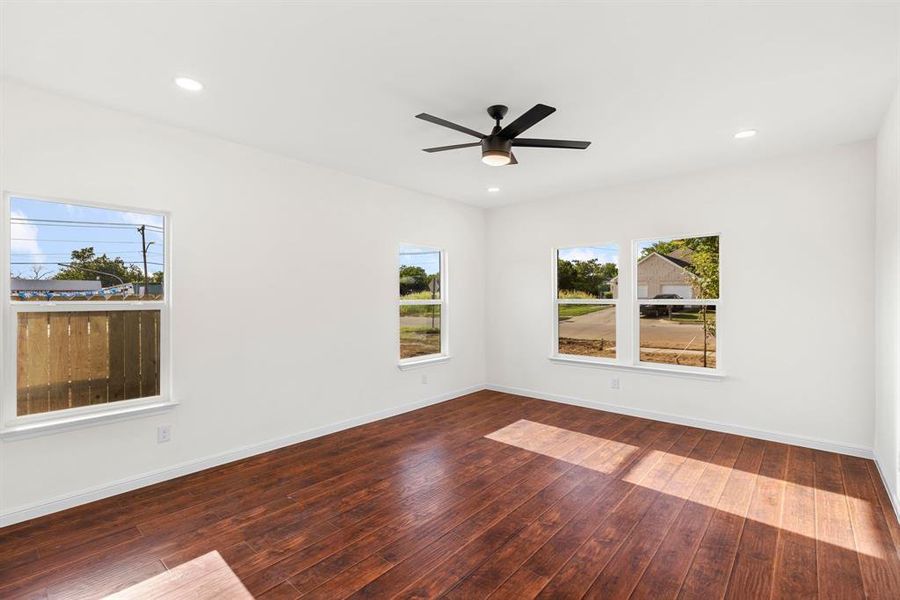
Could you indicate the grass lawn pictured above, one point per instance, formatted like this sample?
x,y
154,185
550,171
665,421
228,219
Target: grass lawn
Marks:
x,y
693,317
567,311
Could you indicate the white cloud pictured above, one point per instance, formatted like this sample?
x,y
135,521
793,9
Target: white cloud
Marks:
x,y
24,236
603,254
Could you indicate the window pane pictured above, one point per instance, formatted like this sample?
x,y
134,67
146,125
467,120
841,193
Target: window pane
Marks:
x,y
65,251
587,272
70,359
420,273
678,335
587,329
682,268
420,330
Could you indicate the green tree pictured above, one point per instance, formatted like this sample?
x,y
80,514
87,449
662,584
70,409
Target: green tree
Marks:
x,y
412,280
590,277
566,274
85,264
662,247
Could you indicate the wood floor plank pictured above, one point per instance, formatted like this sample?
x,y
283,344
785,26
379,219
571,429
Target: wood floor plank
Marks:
x,y
580,485
754,562
795,554
622,573
837,564
537,571
616,454
652,474
667,569
878,558
205,577
490,495
712,562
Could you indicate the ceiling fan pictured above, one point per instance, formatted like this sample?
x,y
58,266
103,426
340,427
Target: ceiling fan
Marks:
x,y
496,148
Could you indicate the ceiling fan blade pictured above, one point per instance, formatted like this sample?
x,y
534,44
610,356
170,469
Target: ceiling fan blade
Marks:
x,y
453,147
445,123
512,159
536,143
534,115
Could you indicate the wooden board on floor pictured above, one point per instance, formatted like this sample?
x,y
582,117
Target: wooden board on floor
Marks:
x,y
207,577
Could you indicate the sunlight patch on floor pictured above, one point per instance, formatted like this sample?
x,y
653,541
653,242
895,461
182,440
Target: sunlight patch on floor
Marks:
x,y
207,577
599,454
608,456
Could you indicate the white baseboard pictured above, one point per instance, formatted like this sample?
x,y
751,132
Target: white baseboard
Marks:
x,y
772,436
99,492
895,502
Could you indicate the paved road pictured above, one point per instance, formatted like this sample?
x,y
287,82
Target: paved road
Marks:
x,y
592,326
655,333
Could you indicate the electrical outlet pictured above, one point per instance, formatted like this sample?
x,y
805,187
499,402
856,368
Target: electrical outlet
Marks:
x,y
163,434
424,378
614,383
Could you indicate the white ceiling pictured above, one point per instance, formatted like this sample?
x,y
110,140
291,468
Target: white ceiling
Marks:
x,y
658,89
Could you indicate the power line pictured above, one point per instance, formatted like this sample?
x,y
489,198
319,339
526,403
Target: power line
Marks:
x,y
77,241
99,223
67,253
53,262
79,226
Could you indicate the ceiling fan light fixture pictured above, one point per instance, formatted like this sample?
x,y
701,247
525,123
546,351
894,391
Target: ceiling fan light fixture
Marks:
x,y
495,158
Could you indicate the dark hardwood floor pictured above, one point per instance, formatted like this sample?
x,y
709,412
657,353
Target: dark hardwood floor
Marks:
x,y
558,502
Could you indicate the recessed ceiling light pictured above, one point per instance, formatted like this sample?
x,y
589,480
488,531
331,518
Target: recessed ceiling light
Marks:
x,y
493,190
186,83
743,134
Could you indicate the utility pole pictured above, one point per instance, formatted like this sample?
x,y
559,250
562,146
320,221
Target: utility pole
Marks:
x,y
144,245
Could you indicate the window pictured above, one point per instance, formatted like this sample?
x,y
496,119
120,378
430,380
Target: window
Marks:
x,y
677,297
585,301
87,310
423,308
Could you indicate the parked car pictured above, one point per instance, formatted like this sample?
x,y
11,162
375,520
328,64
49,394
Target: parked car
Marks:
x,y
662,310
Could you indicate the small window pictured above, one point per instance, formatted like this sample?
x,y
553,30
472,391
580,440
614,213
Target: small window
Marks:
x,y
677,301
585,301
422,303
87,291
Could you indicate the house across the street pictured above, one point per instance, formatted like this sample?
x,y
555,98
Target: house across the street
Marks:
x,y
662,274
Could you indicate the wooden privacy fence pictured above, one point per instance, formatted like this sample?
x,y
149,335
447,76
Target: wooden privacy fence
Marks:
x,y
69,359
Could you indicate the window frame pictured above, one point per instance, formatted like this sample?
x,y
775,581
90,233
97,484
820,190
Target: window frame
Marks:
x,y
636,303
444,354
557,302
628,317
13,425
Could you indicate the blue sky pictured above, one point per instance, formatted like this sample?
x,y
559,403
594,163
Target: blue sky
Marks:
x,y
605,254
421,256
52,243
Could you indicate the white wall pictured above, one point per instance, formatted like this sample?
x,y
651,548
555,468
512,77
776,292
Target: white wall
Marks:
x,y
887,299
316,349
795,322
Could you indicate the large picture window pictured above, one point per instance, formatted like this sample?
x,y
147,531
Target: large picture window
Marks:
x,y
676,301
585,301
87,309
423,312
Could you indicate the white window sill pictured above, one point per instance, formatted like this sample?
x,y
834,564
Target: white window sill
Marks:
x,y
422,362
684,372
68,422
